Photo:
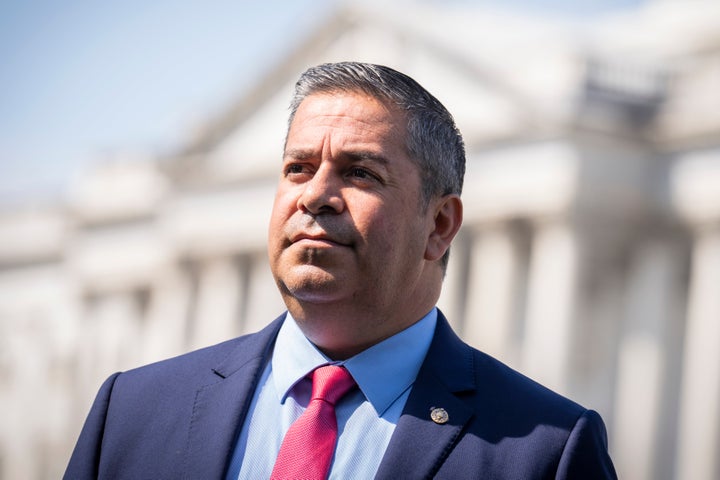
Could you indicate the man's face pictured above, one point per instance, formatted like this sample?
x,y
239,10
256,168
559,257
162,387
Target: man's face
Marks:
x,y
347,227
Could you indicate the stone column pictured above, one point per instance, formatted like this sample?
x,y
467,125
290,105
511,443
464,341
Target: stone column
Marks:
x,y
165,330
495,294
699,440
110,339
649,351
552,290
696,195
219,296
23,400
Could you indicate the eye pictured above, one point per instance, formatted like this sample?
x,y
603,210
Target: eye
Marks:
x,y
362,173
295,169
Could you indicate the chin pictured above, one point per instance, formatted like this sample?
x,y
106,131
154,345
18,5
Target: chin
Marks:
x,y
311,284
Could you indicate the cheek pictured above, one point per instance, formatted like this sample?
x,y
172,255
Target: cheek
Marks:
x,y
285,203
281,211
382,235
382,224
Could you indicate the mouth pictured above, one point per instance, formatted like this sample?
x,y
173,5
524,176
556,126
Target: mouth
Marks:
x,y
316,241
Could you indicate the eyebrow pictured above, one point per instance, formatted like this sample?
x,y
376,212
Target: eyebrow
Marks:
x,y
354,156
298,154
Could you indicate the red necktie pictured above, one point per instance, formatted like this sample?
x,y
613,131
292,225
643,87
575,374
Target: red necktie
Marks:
x,y
307,449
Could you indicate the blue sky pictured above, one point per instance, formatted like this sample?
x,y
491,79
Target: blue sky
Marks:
x,y
81,78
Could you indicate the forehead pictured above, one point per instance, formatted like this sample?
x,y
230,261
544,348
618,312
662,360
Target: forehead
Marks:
x,y
353,111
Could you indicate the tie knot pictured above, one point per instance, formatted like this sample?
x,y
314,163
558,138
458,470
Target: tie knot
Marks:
x,y
330,383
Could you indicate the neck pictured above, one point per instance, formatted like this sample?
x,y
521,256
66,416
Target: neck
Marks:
x,y
341,332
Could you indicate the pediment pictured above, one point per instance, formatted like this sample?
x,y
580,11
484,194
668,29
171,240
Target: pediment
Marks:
x,y
468,73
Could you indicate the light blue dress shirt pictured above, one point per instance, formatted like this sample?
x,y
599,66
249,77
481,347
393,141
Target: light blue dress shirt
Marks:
x,y
366,417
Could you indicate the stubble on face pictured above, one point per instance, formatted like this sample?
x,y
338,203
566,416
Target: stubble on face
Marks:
x,y
311,249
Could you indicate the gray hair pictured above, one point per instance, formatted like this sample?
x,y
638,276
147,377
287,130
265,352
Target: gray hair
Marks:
x,y
433,141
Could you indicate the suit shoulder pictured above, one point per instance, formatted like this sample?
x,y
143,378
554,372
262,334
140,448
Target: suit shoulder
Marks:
x,y
513,390
492,386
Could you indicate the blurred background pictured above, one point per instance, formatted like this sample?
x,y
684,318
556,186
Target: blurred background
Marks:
x,y
140,144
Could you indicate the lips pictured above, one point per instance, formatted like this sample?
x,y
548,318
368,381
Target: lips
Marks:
x,y
316,239
318,230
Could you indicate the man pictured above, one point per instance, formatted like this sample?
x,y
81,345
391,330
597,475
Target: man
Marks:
x,y
367,205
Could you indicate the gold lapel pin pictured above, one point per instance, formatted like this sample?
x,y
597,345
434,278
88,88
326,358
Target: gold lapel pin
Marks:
x,y
439,415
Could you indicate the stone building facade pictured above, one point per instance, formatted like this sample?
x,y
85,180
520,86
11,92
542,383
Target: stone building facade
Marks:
x,y
589,258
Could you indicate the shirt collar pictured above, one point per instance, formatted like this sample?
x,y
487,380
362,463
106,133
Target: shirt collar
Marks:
x,y
383,372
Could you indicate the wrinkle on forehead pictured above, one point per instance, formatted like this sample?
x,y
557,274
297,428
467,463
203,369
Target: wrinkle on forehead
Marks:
x,y
343,107
360,117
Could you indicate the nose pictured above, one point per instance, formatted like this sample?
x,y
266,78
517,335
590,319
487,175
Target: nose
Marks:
x,y
322,193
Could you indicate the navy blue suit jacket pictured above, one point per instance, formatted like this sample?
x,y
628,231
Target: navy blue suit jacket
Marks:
x,y
179,419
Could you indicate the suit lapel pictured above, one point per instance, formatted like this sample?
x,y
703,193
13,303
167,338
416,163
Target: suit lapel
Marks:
x,y
220,407
420,444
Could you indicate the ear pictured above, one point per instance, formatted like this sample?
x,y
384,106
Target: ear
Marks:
x,y
447,220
